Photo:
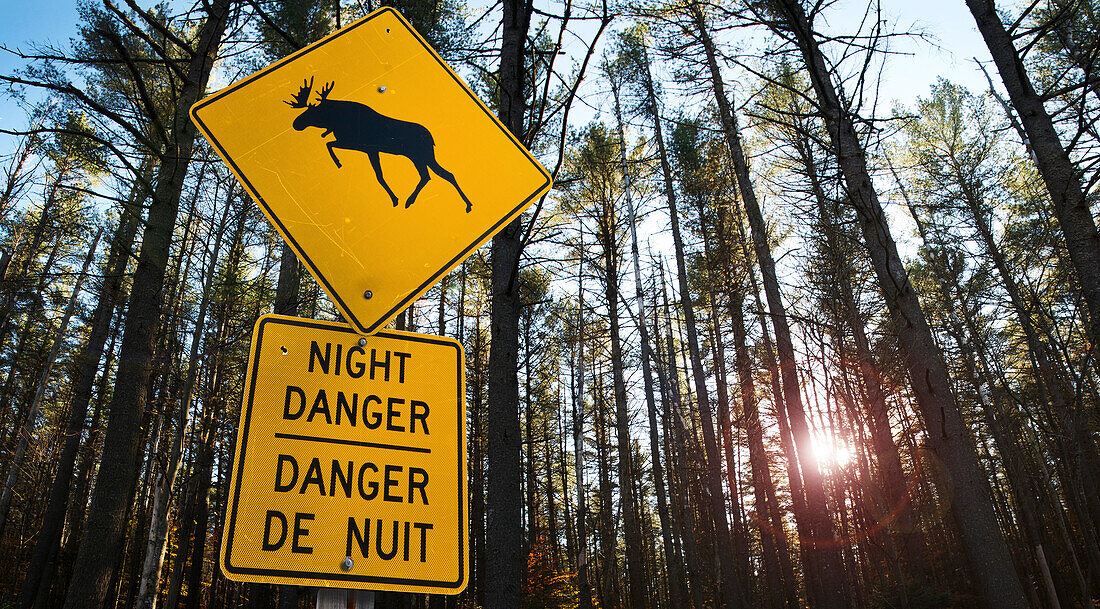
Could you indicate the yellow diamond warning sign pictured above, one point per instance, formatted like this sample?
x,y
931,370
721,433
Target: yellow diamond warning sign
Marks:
x,y
350,465
376,163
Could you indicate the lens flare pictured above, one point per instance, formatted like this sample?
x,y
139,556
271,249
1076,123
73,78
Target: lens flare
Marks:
x,y
831,452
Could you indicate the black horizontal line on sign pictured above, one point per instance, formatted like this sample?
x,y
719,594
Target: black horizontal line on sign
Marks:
x,y
411,449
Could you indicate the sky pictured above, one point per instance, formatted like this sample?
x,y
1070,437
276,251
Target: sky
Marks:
x,y
951,40
23,22
950,43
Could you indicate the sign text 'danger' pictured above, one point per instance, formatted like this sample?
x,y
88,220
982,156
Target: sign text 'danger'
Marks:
x,y
376,163
349,450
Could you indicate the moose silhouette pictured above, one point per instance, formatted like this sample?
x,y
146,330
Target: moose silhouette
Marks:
x,y
359,127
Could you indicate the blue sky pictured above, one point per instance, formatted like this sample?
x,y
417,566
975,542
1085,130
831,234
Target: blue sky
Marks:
x,y
23,22
952,41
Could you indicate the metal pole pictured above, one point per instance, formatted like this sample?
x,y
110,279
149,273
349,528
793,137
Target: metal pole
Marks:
x,y
342,598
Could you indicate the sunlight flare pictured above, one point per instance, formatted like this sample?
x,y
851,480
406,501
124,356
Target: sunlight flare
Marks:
x,y
831,452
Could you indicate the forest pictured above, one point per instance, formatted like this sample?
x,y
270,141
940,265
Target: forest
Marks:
x,y
774,339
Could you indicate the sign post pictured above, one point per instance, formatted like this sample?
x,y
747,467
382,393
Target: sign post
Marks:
x,y
350,464
340,598
376,163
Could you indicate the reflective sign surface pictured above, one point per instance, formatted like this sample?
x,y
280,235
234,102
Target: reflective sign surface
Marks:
x,y
350,464
374,161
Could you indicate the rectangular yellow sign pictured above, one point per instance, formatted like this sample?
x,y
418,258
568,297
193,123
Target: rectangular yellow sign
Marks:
x,y
350,465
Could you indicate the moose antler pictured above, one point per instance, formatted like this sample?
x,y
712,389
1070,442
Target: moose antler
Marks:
x,y
325,90
301,99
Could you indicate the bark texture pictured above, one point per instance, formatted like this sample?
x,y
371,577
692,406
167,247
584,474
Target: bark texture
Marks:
x,y
504,495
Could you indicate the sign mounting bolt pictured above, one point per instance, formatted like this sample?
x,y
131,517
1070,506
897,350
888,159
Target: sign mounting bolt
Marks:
x,y
362,342
382,89
368,294
347,563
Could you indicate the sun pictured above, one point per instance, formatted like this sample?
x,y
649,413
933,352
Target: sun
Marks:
x,y
831,452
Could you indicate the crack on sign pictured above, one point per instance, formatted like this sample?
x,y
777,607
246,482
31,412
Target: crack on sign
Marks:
x,y
327,230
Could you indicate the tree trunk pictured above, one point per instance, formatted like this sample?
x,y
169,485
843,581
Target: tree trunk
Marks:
x,y
740,532
548,490
786,440
504,541
686,520
898,503
49,536
158,519
286,291
731,594
778,572
77,509
606,234
32,411
477,461
584,588
607,559
1061,177
947,436
1069,415
20,275
824,570
101,545
1018,468
530,504
675,576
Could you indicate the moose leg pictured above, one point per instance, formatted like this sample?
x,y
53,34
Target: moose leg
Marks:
x,y
450,177
332,153
424,177
377,164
